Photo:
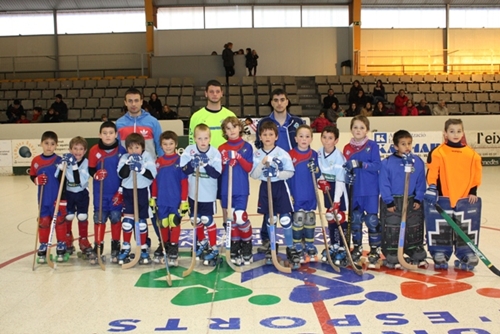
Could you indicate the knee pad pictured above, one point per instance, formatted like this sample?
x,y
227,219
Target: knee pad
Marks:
x,y
299,218
128,224
357,217
207,220
115,217
372,222
143,226
166,223
310,221
275,220
240,217
173,220
285,220
82,217
70,216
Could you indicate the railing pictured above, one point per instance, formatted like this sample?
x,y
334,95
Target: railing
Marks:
x,y
427,61
49,66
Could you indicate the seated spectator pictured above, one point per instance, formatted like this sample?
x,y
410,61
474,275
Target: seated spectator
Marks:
x,y
214,53
362,99
146,106
60,108
155,104
250,127
329,99
353,92
380,109
167,113
334,112
50,116
23,119
37,115
440,109
400,102
104,118
423,108
352,111
409,109
14,111
379,92
369,109
320,122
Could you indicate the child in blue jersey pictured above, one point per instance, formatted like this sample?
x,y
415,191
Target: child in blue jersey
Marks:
x,y
137,160
169,196
77,194
274,162
332,181
238,154
43,168
392,184
103,163
362,166
207,159
303,190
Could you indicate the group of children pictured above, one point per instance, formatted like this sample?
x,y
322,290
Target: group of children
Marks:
x,y
128,182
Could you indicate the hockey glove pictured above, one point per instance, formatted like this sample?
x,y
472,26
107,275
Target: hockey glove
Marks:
x,y
330,216
234,157
324,186
352,164
279,164
183,208
270,171
408,162
152,204
224,157
41,180
118,197
137,167
100,175
134,158
69,159
350,177
431,195
311,165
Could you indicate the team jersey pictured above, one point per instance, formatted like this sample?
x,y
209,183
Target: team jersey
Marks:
x,y
47,165
331,165
213,119
170,184
392,178
286,132
455,170
73,185
102,158
146,125
240,170
276,152
301,183
366,178
207,187
142,181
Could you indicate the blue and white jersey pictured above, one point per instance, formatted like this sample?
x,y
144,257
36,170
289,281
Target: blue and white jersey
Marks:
x,y
83,170
142,182
276,152
207,188
331,165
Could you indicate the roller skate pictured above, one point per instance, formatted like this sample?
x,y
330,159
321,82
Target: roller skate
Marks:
x,y
42,253
86,250
61,255
115,250
246,252
173,255
124,256
418,257
211,257
299,248
311,252
158,254
236,253
201,248
70,248
93,259
145,259
340,257
440,260
324,257
356,253
293,257
391,261
374,258
269,257
467,262
265,247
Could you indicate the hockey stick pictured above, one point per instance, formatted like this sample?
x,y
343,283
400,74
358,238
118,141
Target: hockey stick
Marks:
x,y
272,229
323,225
137,251
54,217
349,209
357,269
98,243
229,219
466,239
402,229
195,224
169,278
37,227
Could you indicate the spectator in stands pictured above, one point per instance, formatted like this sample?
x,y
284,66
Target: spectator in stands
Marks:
x,y
379,92
329,99
367,110
228,60
255,62
380,109
240,52
22,119
440,109
214,53
104,118
249,61
155,104
167,113
423,108
353,93
334,112
14,111
320,122
60,108
409,109
37,115
362,99
352,111
147,107
400,102
51,116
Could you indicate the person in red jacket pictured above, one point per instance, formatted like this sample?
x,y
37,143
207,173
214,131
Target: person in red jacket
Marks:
x,y
400,102
409,109
320,123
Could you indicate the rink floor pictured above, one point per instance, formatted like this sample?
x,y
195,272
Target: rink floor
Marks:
x,y
80,298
